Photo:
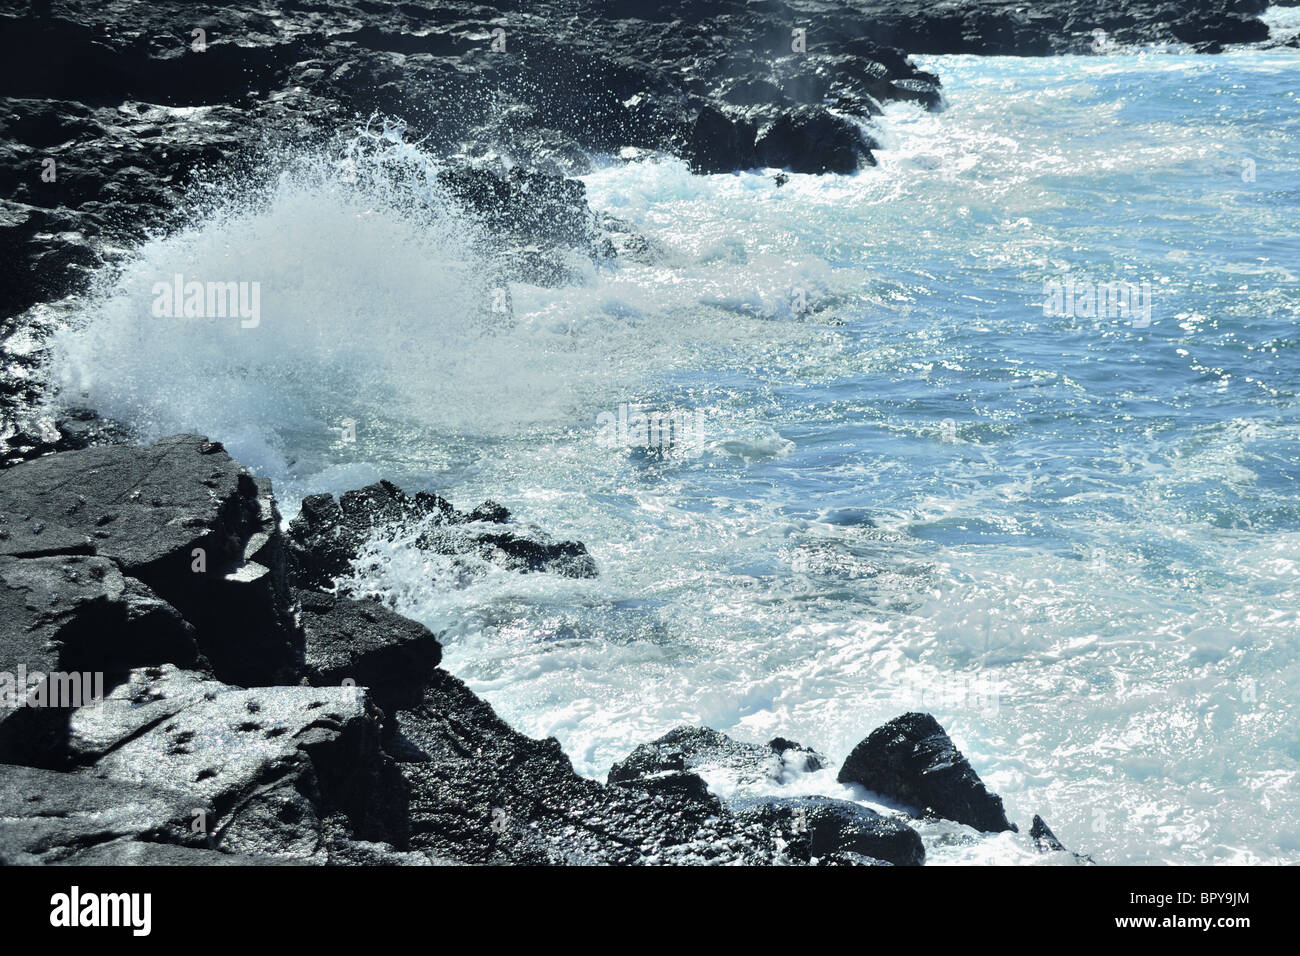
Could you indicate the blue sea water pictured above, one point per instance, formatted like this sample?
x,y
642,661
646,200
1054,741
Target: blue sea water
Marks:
x,y
1074,538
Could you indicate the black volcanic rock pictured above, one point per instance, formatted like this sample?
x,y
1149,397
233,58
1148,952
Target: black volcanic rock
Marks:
x,y
367,644
70,626
80,613
327,535
188,523
174,766
483,793
719,143
1044,839
834,831
911,759
127,852
813,140
97,87
689,748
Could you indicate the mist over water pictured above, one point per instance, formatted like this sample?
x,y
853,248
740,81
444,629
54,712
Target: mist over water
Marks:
x,y
1074,540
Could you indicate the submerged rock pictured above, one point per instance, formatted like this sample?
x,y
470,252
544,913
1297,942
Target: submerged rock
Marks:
x,y
911,759
1045,841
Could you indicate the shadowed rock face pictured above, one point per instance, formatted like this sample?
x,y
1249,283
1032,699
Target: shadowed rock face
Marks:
x,y
911,759
189,525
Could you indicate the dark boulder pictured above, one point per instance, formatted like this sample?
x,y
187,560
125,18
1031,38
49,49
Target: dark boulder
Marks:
x,y
688,748
186,520
1044,839
826,830
719,143
327,535
1219,27
80,613
911,759
22,537
814,140
365,643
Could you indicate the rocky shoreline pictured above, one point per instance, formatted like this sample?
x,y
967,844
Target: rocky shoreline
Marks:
x,y
250,713
254,712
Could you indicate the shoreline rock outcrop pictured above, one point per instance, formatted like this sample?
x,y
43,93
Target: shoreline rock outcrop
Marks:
x,y
346,743
911,759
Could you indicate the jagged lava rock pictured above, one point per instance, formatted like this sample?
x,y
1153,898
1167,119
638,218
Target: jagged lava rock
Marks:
x,y
482,792
327,535
834,831
911,759
364,642
664,761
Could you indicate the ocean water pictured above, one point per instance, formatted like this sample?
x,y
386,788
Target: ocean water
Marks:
x,y
1073,537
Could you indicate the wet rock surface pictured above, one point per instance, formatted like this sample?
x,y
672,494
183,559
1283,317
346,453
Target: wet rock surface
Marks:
x,y
911,759
834,832
686,751
363,643
328,534
185,521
